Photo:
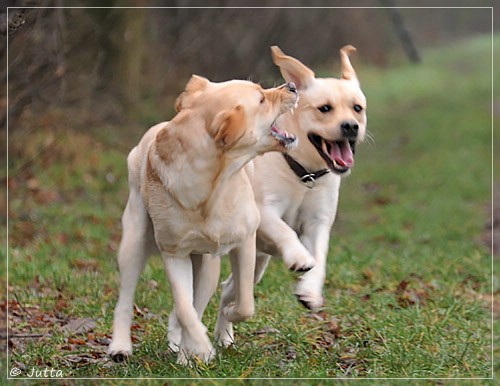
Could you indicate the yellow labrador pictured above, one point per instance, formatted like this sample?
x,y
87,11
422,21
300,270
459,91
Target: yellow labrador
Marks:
x,y
297,193
189,195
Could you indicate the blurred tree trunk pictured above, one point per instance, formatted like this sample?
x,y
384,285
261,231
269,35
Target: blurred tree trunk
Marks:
x,y
401,31
121,45
131,51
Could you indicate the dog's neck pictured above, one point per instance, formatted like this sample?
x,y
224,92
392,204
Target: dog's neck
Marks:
x,y
231,165
204,178
305,154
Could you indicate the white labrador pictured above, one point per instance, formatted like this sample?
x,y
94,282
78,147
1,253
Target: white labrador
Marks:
x,y
297,194
189,196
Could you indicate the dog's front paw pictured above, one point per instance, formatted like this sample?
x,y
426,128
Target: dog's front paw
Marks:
x,y
236,314
186,358
312,302
190,350
120,351
174,334
224,335
309,297
298,259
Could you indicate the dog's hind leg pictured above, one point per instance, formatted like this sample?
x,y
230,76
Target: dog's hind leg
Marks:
x,y
224,335
194,339
206,271
261,265
132,254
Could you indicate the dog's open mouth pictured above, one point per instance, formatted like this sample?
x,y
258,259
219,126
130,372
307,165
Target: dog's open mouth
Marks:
x,y
286,140
338,155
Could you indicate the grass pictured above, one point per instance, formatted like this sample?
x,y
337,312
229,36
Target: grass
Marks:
x,y
408,290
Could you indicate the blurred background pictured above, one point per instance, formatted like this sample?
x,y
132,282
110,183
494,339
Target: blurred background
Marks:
x,y
113,72
85,83
104,63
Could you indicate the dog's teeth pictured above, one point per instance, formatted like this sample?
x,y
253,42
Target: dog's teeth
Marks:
x,y
323,146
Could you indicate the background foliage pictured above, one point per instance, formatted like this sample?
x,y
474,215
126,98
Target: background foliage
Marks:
x,y
409,277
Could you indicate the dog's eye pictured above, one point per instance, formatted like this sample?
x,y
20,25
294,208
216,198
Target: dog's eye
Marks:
x,y
325,108
357,108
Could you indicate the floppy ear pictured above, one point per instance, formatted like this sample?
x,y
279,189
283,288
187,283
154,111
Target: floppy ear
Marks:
x,y
228,127
292,69
193,87
346,66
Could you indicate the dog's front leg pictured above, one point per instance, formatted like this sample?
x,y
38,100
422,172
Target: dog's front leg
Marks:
x,y
243,268
310,286
224,328
224,335
273,229
194,339
237,302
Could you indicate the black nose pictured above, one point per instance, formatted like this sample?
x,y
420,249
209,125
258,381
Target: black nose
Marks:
x,y
291,86
349,129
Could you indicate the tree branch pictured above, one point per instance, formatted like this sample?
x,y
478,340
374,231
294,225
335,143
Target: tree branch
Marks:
x,y
17,18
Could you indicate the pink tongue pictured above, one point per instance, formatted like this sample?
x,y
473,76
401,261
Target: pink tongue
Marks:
x,y
342,153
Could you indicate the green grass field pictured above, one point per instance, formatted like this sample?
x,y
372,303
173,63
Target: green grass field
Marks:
x,y
409,282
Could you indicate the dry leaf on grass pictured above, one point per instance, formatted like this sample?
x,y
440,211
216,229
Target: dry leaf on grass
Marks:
x,y
79,326
267,330
86,264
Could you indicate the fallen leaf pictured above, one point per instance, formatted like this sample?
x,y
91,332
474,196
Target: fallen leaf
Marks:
x,y
367,274
412,291
24,232
333,327
33,184
383,200
76,341
86,264
79,326
46,196
63,238
322,315
61,303
403,284
267,330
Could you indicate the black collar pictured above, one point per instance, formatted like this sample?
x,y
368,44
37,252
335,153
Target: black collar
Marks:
x,y
308,178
